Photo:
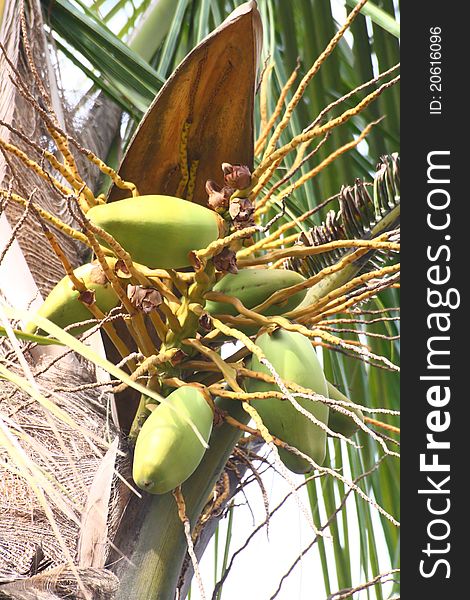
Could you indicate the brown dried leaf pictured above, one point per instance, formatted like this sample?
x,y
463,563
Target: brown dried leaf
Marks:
x,y
59,582
213,89
94,527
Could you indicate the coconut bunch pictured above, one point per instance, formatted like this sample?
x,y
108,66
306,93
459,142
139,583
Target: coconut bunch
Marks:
x,y
168,267
184,275
160,256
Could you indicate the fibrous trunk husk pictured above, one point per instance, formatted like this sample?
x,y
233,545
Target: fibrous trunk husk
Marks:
x,y
72,462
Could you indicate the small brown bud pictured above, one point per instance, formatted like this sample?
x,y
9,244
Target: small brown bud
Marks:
x,y
236,176
87,297
219,416
97,275
145,299
121,269
226,261
235,208
178,357
217,199
195,261
238,225
205,322
241,210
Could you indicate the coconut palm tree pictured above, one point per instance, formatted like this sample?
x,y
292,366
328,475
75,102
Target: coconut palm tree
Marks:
x,y
310,107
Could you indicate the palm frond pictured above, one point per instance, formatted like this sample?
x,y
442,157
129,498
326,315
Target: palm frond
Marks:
x,y
379,16
123,74
360,216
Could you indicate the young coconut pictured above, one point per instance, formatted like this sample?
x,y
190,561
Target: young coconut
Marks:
x,y
253,287
294,359
63,305
167,449
158,231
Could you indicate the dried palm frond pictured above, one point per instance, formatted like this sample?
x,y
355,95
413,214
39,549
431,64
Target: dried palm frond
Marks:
x,y
60,582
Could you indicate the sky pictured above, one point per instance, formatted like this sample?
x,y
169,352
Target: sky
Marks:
x,y
259,568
